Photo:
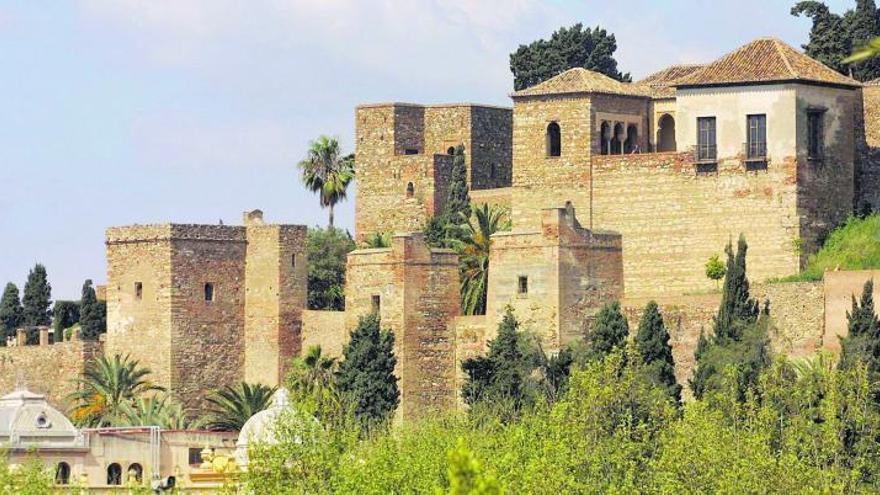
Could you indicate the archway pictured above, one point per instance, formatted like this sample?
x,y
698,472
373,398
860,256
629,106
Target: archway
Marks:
x,y
114,474
554,140
62,473
631,145
666,133
604,142
617,139
136,472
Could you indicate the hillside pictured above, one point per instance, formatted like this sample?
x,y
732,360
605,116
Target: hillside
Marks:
x,y
852,246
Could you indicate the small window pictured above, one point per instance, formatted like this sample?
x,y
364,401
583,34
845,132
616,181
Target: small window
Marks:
x,y
554,140
135,473
209,292
523,285
114,474
138,290
293,260
410,151
410,190
450,150
756,139
707,150
815,134
376,303
195,456
62,473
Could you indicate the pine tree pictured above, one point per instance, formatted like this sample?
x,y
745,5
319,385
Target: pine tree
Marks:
x,y
37,298
11,312
609,331
503,374
367,370
863,341
652,341
93,318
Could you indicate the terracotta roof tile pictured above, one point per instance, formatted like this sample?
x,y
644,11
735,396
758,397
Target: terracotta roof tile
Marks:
x,y
765,60
580,80
661,84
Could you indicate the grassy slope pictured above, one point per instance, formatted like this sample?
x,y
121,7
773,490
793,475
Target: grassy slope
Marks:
x,y
853,246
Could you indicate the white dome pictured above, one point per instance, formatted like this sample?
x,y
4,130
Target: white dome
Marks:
x,y
260,428
27,420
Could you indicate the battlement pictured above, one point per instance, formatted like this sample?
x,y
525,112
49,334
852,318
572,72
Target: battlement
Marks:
x,y
175,232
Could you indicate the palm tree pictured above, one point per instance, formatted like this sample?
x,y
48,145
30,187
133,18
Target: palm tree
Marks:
x,y
231,406
327,173
378,240
157,410
105,387
313,372
473,247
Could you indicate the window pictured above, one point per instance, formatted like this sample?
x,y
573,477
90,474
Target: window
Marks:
x,y
62,473
293,260
554,140
376,303
114,474
756,139
410,151
450,150
706,147
523,285
138,290
195,456
410,190
815,134
136,472
209,292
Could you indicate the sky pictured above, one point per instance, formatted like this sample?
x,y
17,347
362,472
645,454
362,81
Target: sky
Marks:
x,y
191,111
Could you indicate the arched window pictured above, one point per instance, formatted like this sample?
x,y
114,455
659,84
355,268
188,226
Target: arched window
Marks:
x,y
410,190
554,140
617,139
451,150
114,474
136,472
631,145
666,133
62,473
604,139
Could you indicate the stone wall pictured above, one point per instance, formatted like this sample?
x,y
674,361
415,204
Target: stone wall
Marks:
x,y
839,289
327,329
490,148
472,335
415,290
47,369
868,147
499,197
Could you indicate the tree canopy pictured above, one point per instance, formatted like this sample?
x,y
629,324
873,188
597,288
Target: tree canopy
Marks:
x,y
366,373
327,252
37,298
834,37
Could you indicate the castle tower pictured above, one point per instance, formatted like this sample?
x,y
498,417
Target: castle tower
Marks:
x,y
276,276
415,290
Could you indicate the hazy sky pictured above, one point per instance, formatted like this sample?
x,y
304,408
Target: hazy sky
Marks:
x,y
121,111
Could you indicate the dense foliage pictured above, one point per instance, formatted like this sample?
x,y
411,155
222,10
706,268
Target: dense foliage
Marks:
x,y
473,244
852,246
834,37
65,314
366,373
609,331
11,312
327,252
231,406
37,298
442,229
93,317
862,343
567,48
652,342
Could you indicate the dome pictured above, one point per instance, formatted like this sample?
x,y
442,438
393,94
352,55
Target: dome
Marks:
x,y
27,420
260,427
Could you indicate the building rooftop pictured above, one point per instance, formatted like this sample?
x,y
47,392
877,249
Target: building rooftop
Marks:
x,y
580,80
661,84
27,420
873,82
765,60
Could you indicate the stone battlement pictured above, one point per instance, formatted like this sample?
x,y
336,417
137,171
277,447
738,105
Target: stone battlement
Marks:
x,y
175,232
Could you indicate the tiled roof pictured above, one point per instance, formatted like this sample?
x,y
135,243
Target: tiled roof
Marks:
x,y
580,80
661,84
874,82
765,60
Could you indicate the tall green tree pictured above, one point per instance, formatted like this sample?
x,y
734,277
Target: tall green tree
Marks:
x,y
503,374
862,343
64,315
327,172
327,251
567,48
652,341
608,332
834,37
737,308
11,312
366,373
105,386
37,298
93,318
442,229
473,245
863,25
231,406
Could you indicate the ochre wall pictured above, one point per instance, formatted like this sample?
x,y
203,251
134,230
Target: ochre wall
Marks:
x,y
840,287
868,147
327,329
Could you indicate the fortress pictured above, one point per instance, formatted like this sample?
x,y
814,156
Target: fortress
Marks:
x,y
615,191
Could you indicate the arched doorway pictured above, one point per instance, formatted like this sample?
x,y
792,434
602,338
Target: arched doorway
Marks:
x,y
631,145
604,141
114,474
617,139
62,473
666,133
136,473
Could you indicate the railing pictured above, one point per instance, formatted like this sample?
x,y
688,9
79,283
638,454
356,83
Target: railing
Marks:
x,y
756,151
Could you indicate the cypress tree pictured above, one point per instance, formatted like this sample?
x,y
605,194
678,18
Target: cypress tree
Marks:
x,y
64,315
458,202
863,341
609,331
736,309
367,370
652,341
37,298
863,25
11,312
93,319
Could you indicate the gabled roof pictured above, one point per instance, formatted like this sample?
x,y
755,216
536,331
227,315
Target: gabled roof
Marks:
x,y
762,61
580,80
661,84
